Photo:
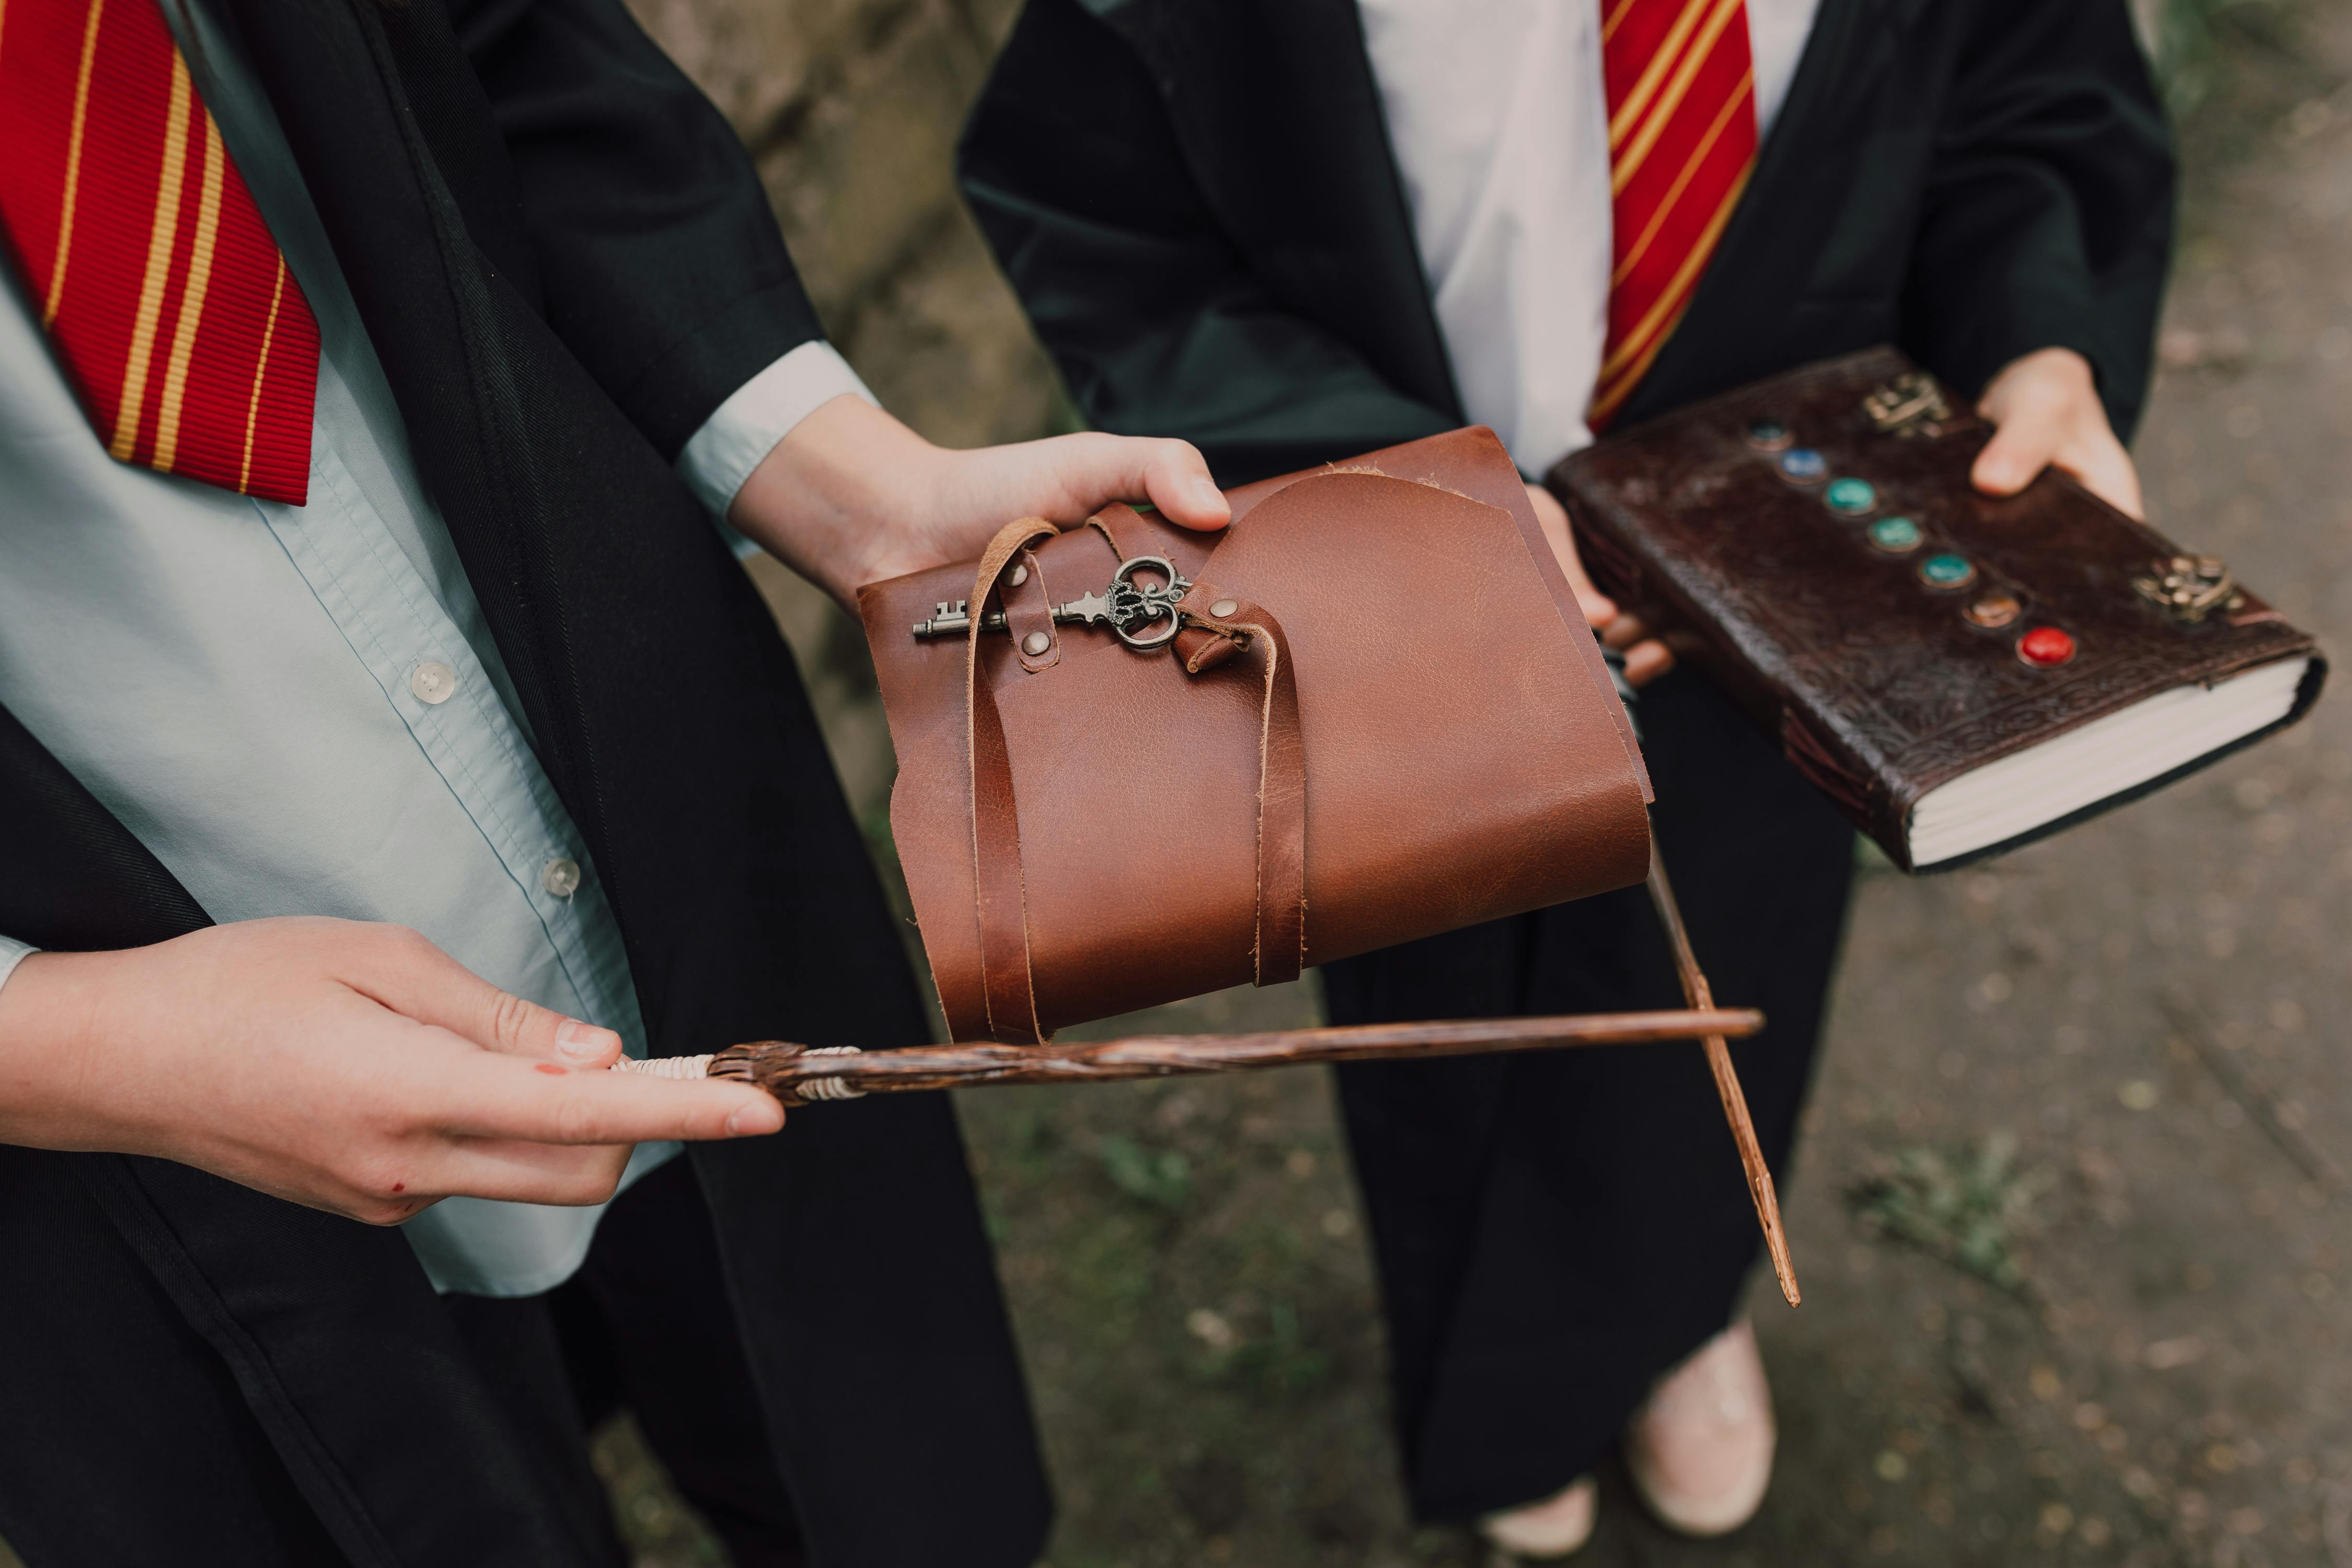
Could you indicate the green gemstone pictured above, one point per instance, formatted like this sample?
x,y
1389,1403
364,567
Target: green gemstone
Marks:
x,y
1946,571
1851,497
1896,534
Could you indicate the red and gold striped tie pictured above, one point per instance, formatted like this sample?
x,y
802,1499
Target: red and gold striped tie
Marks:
x,y
190,342
1682,140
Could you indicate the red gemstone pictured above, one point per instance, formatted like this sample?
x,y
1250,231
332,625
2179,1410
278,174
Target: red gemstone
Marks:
x,y
2045,647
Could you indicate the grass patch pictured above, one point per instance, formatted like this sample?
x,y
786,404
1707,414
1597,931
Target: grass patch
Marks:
x,y
1969,1205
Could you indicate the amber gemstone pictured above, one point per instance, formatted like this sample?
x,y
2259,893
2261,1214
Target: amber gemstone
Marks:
x,y
2045,647
1993,611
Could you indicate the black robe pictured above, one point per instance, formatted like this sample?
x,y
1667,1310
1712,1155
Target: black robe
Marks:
x,y
566,261
1198,203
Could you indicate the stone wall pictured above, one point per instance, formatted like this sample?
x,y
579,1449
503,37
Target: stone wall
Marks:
x,y
851,108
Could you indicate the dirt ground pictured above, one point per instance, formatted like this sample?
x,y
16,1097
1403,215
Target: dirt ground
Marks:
x,y
2071,1213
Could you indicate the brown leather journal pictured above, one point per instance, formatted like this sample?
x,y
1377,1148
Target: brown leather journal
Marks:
x,y
1172,761
1959,673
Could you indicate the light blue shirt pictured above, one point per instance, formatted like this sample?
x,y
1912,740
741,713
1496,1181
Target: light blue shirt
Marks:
x,y
298,708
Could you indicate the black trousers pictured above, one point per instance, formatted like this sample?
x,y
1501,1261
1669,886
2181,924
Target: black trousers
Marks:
x,y
1554,1231
150,1454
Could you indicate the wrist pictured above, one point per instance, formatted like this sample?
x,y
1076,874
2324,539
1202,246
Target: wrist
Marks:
x,y
835,498
51,1032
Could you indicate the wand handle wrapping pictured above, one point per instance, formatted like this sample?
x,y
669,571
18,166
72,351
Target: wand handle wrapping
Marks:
x,y
797,1074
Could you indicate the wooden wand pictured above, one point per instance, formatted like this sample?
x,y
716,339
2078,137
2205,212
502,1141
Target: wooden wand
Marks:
x,y
798,1075
801,1075
1727,1085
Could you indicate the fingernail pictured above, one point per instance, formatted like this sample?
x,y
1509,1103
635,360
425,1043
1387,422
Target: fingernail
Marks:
x,y
741,1120
583,1042
1206,494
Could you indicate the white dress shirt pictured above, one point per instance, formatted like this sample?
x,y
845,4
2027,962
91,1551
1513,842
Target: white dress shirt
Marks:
x,y
298,710
1500,126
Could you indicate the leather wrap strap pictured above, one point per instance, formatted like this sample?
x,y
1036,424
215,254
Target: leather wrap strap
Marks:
x,y
999,895
1208,641
1251,631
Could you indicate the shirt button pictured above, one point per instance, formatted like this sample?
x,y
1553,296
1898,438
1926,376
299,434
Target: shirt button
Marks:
x,y
433,683
561,877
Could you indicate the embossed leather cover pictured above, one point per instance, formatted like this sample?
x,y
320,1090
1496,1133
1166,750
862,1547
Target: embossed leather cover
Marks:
x,y
1464,755
1879,687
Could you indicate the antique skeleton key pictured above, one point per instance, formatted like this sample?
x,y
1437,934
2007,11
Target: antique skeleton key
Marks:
x,y
1141,615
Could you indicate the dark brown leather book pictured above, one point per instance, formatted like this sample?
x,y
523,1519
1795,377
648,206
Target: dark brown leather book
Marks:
x,y
1961,674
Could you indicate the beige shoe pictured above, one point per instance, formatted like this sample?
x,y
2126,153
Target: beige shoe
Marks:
x,y
1555,1527
1700,1450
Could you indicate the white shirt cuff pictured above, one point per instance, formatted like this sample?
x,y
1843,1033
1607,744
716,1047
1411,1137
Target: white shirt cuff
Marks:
x,y
763,412
12,954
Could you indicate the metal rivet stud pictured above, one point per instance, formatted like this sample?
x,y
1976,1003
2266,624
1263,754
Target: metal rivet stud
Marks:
x,y
1224,607
1020,575
1035,643
432,682
561,877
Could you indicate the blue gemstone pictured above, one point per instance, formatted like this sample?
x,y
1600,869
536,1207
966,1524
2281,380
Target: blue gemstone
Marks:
x,y
1946,571
1895,535
1804,465
1851,497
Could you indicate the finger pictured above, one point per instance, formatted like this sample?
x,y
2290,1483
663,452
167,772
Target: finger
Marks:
x,y
1176,477
414,978
2105,470
516,1170
1599,608
1623,632
494,1097
1645,661
2020,450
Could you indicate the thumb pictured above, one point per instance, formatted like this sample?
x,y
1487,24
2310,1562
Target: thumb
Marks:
x,y
2020,450
425,984
1176,477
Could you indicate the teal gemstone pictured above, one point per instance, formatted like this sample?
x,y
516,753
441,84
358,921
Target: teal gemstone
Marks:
x,y
1894,534
1851,497
1948,571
